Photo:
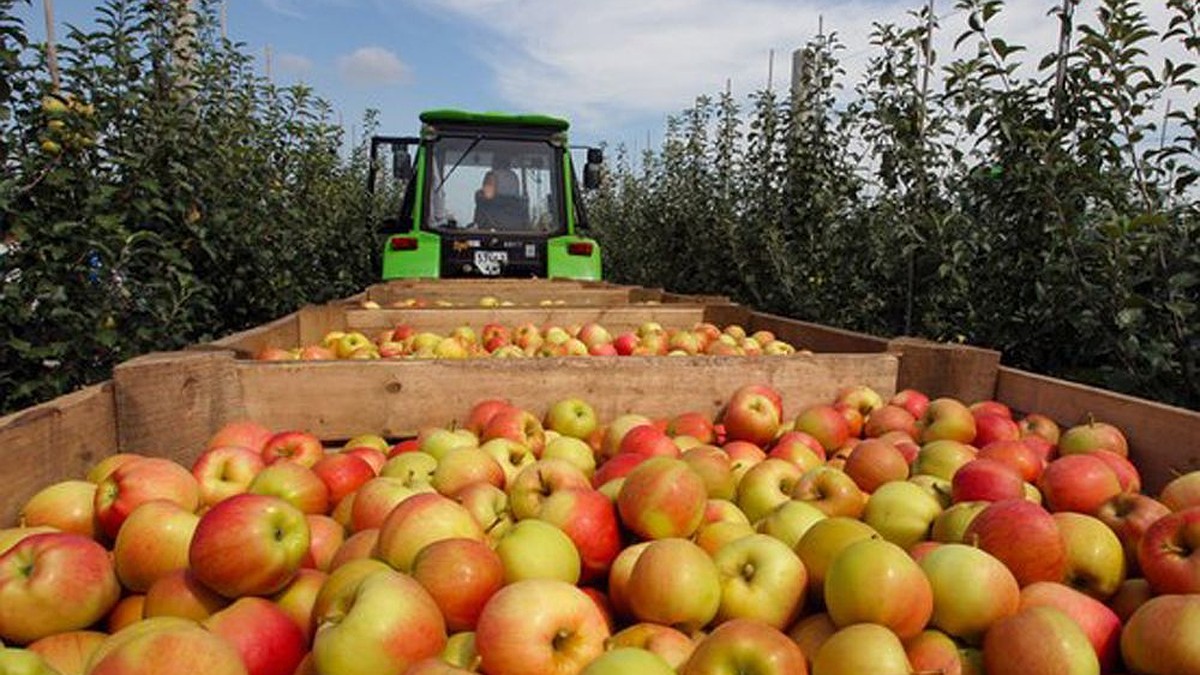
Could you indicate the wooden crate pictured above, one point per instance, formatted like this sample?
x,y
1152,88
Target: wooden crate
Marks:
x,y
168,404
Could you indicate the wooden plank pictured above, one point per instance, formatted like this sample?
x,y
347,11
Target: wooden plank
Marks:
x,y
484,297
283,333
339,399
615,319
1164,440
169,404
54,441
315,321
817,337
942,369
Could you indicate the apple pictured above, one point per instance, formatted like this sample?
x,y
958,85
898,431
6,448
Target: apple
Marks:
x,y
376,499
460,651
1080,483
672,645
1085,438
139,481
535,549
462,467
316,353
518,425
990,428
1100,624
325,537
950,526
461,575
789,521
1182,492
986,480
765,486
54,582
713,535
66,506
1129,515
1095,557
1133,593
875,462
129,609
695,424
745,645
413,468
662,497
942,458
714,467
68,653
574,450
1023,536
901,512
752,415
100,470
824,423
589,518
675,583
243,433
832,491
294,483
875,581
1017,454
1161,636
648,440
267,639
153,541
488,505
297,599
743,455
912,400
379,624
618,578
1041,426
173,647
613,471
934,652
419,521
342,473
539,627
481,412
761,579
620,660
972,590
861,648
572,417
248,545
342,583
946,418
180,594
1169,554
1038,640
1127,474
225,470
301,447
888,419
437,441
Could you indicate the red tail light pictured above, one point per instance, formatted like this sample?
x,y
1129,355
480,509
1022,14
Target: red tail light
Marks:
x,y
583,248
404,243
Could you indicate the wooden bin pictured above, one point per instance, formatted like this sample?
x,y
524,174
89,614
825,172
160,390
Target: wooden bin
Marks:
x,y
168,404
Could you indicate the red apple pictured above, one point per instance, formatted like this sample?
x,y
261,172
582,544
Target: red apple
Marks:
x,y
537,481
1099,623
1038,640
675,583
153,542
1182,492
824,423
1169,554
986,480
1023,536
972,590
912,400
832,491
225,470
139,481
299,446
746,645
174,647
753,415
518,425
1084,438
180,594
461,575
697,425
1041,426
875,462
240,433
267,639
1161,636
1079,483
890,418
1130,515
419,521
68,653
590,519
249,545
662,497
672,645
342,474
66,506
294,483
539,627
1017,454
990,428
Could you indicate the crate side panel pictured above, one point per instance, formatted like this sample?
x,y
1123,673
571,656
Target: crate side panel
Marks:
x,y
1164,441
341,399
54,441
817,337
282,333
940,369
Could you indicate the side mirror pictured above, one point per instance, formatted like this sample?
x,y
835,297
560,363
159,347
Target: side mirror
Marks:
x,y
401,164
592,170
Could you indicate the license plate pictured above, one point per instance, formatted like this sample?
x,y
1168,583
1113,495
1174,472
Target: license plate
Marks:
x,y
490,263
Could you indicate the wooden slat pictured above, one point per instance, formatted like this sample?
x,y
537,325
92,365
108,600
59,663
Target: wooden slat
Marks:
x,y
817,337
339,399
466,298
940,369
169,404
1164,441
283,333
615,319
57,440
317,320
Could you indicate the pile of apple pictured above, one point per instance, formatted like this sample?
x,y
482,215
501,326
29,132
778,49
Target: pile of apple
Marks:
x,y
417,302
528,339
858,536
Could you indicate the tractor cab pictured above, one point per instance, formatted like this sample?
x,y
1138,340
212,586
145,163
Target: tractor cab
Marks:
x,y
487,195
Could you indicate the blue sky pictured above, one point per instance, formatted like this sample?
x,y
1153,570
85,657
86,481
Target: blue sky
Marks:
x,y
615,68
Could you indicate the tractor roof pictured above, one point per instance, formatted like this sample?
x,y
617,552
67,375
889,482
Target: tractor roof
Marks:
x,y
451,116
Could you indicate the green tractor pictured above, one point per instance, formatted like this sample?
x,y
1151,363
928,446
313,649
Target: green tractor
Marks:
x,y
487,195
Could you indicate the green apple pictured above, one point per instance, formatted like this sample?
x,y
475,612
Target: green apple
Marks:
x,y
573,417
971,590
625,660
535,549
902,512
875,581
761,579
861,648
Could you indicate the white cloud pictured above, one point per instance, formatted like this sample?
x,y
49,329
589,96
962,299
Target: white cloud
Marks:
x,y
601,62
373,66
293,64
284,7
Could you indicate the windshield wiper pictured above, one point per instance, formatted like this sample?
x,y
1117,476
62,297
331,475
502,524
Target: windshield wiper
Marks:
x,y
461,159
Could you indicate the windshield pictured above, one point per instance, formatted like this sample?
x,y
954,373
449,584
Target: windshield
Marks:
x,y
494,185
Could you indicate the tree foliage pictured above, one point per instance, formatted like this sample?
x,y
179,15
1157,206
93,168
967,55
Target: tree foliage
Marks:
x,y
1047,209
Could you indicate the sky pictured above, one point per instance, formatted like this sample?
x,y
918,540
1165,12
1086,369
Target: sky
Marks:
x,y
616,68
